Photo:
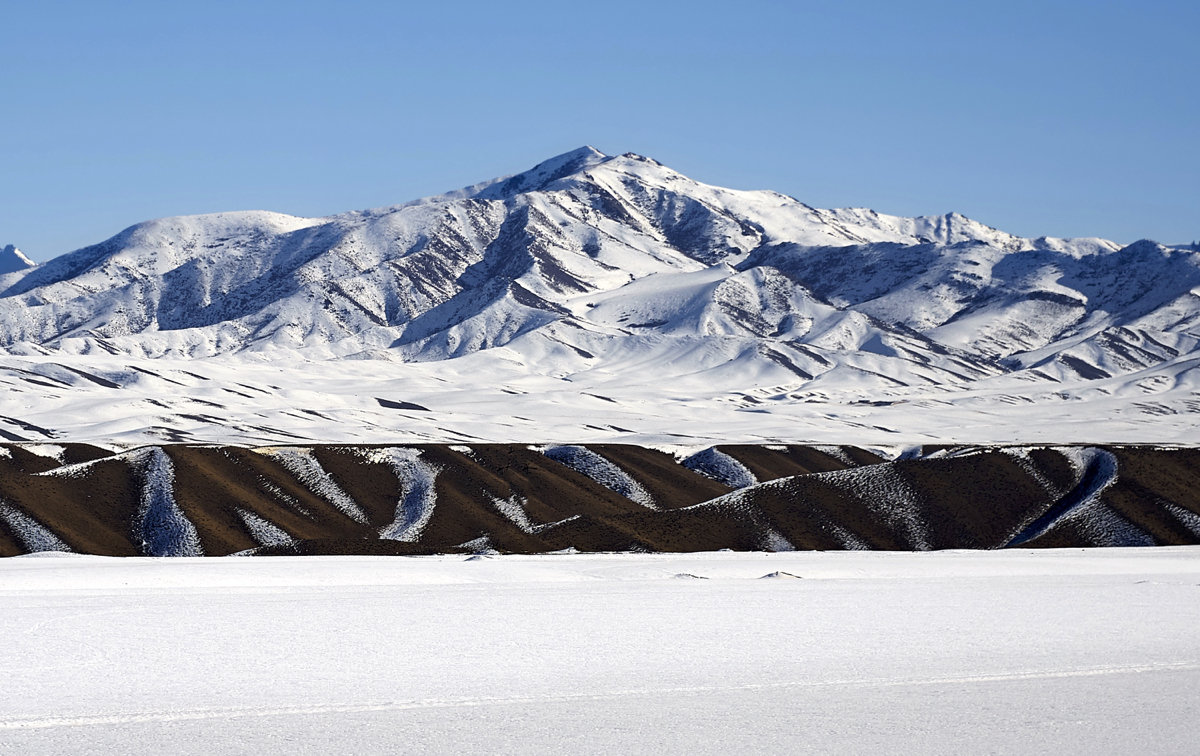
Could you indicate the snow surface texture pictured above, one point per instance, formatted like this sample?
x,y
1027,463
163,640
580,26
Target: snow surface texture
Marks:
x,y
302,464
265,533
720,467
600,298
33,535
889,497
1096,470
513,509
165,529
417,493
599,469
13,260
1079,651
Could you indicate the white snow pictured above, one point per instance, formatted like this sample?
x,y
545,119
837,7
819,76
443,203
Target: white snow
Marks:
x,y
301,463
513,509
887,495
600,298
33,535
500,396
264,533
589,463
721,467
52,451
1074,651
417,493
13,260
164,529
1095,470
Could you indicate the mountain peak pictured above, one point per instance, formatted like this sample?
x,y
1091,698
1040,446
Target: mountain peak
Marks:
x,y
544,173
581,153
13,260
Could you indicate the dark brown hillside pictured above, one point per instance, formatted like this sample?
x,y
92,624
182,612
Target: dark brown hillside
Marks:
x,y
423,499
772,462
91,507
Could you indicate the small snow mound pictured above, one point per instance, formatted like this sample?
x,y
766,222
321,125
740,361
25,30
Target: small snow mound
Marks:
x,y
688,576
780,574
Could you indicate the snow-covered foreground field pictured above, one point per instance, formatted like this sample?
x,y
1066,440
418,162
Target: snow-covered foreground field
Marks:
x,y
1015,651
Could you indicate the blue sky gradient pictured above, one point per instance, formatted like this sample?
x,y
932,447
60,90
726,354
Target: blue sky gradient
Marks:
x,y
1055,118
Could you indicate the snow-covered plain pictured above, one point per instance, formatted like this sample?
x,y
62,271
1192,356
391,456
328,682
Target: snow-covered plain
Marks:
x,y
495,396
1078,651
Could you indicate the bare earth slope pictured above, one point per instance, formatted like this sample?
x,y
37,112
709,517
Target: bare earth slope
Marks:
x,y
186,500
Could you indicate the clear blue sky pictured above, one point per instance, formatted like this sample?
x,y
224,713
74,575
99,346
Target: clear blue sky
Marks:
x,y
1057,118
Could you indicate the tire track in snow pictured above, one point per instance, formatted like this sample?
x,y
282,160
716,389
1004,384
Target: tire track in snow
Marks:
x,y
184,715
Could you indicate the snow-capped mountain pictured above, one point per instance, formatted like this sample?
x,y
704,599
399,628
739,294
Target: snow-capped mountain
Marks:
x,y
616,269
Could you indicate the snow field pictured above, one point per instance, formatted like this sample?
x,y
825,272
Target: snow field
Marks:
x,y
1017,651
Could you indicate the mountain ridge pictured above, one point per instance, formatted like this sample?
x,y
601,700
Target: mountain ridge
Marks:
x,y
611,271
13,260
682,229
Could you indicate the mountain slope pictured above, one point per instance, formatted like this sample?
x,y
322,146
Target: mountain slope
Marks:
x,y
13,260
605,270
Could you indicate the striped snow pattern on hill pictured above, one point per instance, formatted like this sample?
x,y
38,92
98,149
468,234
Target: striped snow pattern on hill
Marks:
x,y
201,500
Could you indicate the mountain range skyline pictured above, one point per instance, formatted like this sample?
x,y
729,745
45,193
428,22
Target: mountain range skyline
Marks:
x,y
43,256
508,306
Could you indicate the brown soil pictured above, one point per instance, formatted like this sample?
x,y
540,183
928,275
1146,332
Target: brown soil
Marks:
x,y
976,500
